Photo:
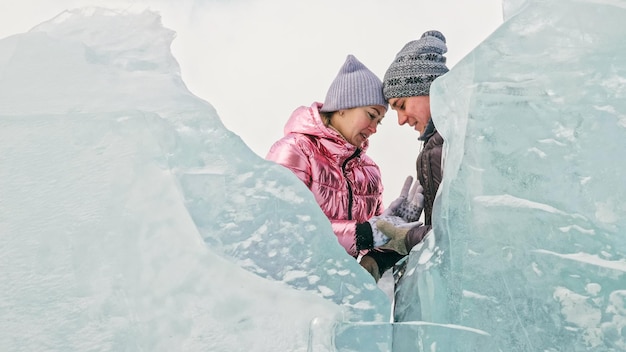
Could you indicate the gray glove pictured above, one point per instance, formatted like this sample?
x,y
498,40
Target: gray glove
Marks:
x,y
397,234
381,238
409,204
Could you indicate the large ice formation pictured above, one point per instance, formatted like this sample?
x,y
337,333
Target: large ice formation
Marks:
x,y
530,223
132,220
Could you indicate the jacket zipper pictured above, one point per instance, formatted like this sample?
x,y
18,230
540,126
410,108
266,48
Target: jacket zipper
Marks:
x,y
343,170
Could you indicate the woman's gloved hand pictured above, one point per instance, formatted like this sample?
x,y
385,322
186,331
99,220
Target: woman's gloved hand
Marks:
x,y
396,232
381,237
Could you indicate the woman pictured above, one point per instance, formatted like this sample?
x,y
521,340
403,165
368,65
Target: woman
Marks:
x,y
325,145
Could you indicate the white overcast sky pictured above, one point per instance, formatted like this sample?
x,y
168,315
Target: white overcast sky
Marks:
x,y
255,61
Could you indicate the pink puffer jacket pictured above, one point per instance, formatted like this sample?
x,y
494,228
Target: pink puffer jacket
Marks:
x,y
345,182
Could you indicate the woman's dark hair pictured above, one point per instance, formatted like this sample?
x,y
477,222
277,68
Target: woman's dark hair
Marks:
x,y
326,117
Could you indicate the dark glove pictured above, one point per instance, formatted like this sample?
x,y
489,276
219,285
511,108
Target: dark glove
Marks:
x,y
397,234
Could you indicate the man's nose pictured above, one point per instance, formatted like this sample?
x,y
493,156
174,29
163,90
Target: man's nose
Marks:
x,y
402,118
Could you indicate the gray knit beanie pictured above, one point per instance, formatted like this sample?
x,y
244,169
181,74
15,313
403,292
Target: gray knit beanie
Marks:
x,y
354,86
416,66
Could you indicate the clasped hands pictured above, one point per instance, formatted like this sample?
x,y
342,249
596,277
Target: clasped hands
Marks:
x,y
390,228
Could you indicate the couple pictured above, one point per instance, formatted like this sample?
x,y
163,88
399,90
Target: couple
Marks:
x,y
325,144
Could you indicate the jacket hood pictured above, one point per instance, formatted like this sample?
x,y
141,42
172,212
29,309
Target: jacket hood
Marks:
x,y
428,131
307,120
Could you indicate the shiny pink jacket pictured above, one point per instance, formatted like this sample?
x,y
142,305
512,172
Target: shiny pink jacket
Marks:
x,y
346,183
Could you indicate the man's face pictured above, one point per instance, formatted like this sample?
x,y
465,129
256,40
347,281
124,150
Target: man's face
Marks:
x,y
414,111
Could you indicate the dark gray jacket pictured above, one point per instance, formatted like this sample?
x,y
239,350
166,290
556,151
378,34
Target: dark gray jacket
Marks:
x,y
429,173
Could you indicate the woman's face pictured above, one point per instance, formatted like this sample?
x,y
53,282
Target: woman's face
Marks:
x,y
356,125
414,111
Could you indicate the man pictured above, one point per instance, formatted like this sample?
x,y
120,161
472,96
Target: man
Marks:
x,y
406,87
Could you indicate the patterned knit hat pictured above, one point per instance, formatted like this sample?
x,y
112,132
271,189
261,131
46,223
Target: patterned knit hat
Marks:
x,y
354,86
416,66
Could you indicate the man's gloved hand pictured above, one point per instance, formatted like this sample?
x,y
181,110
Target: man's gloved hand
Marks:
x,y
409,204
381,238
397,234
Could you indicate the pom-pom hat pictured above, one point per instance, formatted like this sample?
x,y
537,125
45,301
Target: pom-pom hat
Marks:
x,y
416,66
